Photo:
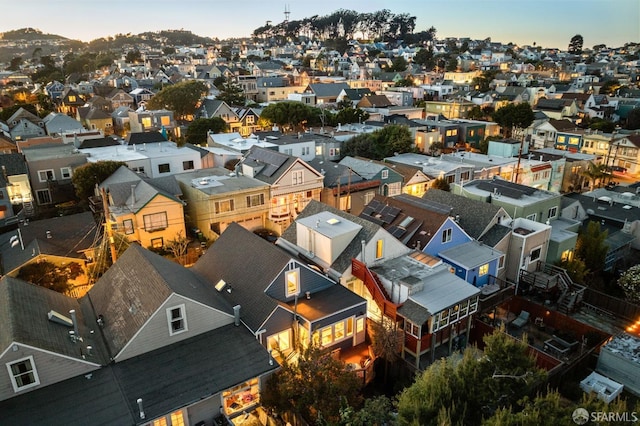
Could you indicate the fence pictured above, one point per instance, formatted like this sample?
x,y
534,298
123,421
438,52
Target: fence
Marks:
x,y
613,305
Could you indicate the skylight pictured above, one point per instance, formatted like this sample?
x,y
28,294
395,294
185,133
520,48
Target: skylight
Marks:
x,y
407,220
333,221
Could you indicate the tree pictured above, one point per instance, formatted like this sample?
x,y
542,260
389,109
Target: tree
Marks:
x,y
289,116
316,387
102,258
514,118
50,275
398,64
591,246
232,94
15,63
86,177
633,119
386,343
198,129
576,269
377,411
459,391
133,56
181,98
178,248
424,58
610,87
630,283
441,183
575,44
351,115
594,173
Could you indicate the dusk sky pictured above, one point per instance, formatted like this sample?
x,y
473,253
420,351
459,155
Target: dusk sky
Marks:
x,y
548,23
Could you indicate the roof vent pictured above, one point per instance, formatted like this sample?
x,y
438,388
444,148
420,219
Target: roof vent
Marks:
x,y
49,235
59,318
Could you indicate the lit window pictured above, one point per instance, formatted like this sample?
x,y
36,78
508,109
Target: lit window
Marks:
x,y
280,342
157,242
127,224
338,331
177,418
23,374
177,320
165,120
359,325
484,270
349,326
146,121
379,249
293,282
446,235
327,336
224,206
412,329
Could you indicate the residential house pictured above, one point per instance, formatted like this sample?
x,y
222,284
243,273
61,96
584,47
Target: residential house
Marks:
x,y
301,144
69,102
624,154
326,92
215,198
344,189
557,108
567,166
545,134
50,170
329,239
450,109
233,142
141,96
248,118
119,98
57,124
7,146
283,301
120,118
148,324
448,132
15,187
23,125
353,95
215,108
65,241
435,167
618,360
374,101
415,181
570,140
149,211
95,119
151,121
402,98
54,90
293,182
391,182
527,245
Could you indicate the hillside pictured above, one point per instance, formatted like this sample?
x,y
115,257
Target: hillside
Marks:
x,y
28,34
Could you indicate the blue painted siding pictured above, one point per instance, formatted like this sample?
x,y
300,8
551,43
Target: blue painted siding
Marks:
x,y
470,275
436,245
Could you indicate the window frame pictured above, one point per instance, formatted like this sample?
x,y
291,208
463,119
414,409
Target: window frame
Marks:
x,y
217,206
292,282
555,212
188,165
384,174
33,371
297,177
53,175
379,249
483,270
127,225
539,249
162,166
183,317
447,235
69,172
148,228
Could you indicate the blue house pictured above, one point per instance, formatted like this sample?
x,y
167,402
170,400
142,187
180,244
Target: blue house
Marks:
x,y
473,261
569,141
448,235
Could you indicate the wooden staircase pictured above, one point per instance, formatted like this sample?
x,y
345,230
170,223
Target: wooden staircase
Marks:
x,y
375,287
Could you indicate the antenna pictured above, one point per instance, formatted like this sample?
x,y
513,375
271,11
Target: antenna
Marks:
x,y
287,12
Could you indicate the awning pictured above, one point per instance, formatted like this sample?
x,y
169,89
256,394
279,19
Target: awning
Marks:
x,y
540,167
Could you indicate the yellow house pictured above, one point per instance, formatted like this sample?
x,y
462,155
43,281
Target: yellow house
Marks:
x,y
148,211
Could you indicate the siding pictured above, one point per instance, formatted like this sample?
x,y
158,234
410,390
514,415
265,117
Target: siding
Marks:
x,y
155,333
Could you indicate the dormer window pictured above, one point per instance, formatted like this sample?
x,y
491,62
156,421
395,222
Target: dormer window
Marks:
x,y
385,174
292,281
177,320
23,374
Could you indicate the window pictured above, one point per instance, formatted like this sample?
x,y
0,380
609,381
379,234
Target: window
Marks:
x,y
338,330
359,325
412,329
561,139
446,235
250,119
72,98
368,196
532,217
177,320
224,206
484,270
280,342
379,249
327,336
535,254
305,150
187,165
288,151
292,282
552,212
155,222
23,374
165,120
385,174
66,172
297,177
157,242
473,305
255,200
44,197
45,175
501,262
349,326
127,224
164,168
146,121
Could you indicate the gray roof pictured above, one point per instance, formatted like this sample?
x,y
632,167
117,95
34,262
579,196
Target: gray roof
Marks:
x,y
326,90
334,173
23,315
470,255
366,168
343,261
145,137
495,234
274,163
137,285
598,210
474,215
123,181
218,181
193,370
70,235
414,312
229,258
51,151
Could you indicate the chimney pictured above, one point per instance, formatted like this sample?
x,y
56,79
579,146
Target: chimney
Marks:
x,y
75,322
236,315
142,415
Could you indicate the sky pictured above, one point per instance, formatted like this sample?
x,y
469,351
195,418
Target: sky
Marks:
x,y
547,23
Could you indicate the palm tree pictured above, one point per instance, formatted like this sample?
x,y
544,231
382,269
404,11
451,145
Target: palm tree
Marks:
x,y
595,172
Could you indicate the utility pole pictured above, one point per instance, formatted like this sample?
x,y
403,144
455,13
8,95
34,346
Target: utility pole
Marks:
x,y
519,157
107,223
